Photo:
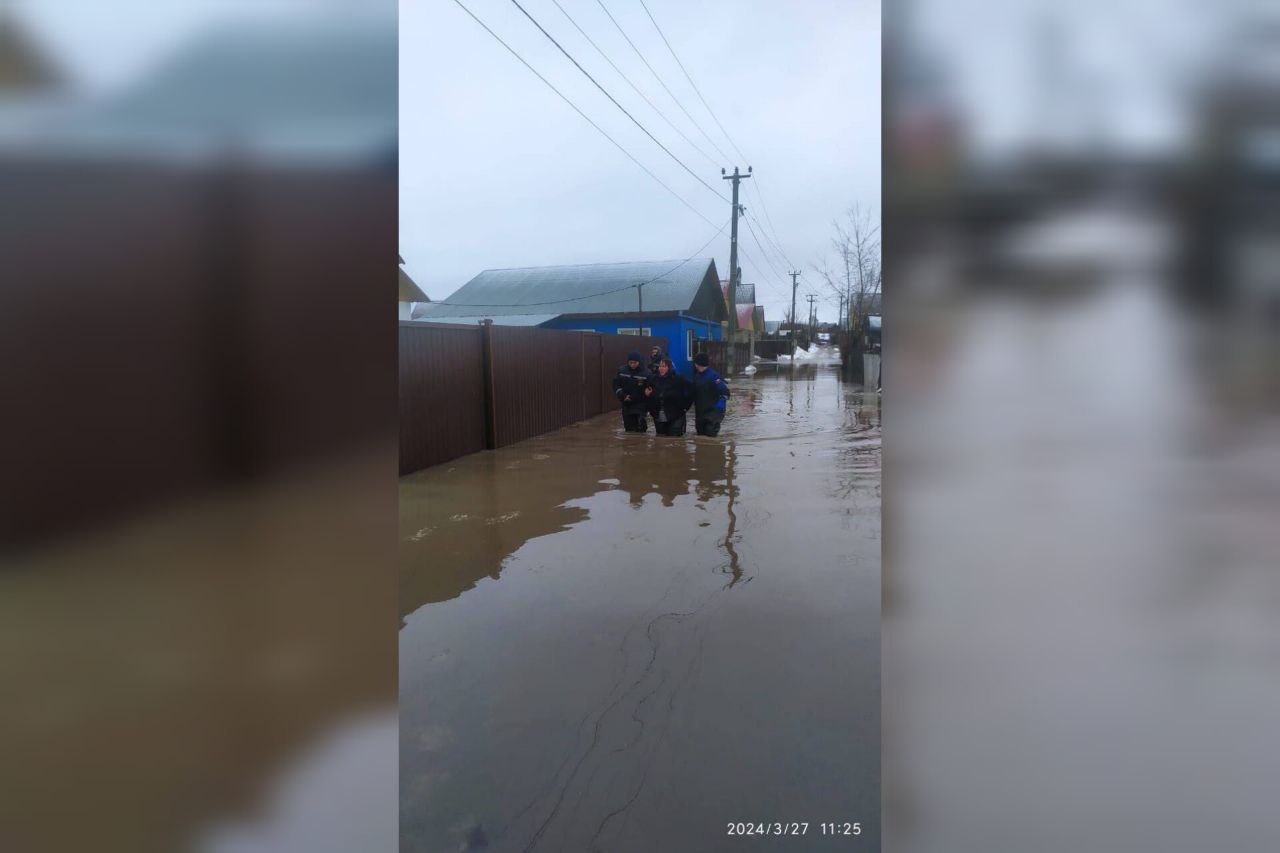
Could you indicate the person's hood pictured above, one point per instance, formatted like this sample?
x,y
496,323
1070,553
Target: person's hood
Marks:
x,y
635,356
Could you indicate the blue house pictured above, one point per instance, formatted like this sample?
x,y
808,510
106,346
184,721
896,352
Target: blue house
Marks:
x,y
678,300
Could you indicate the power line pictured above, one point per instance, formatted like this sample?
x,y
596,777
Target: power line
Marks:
x,y
763,251
564,98
658,77
636,121
770,233
760,270
695,254
691,83
645,97
758,191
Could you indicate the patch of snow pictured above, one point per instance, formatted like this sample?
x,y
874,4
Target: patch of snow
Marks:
x,y
750,369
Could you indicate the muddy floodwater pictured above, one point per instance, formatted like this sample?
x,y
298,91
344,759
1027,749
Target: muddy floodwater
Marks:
x,y
626,642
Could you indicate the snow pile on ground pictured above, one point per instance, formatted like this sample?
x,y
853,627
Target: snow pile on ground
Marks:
x,y
814,353
750,369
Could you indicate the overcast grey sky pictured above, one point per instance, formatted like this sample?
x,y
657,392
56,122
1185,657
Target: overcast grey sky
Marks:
x,y
497,171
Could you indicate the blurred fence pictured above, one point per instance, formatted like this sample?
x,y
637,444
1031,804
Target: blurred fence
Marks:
x,y
771,349
715,350
469,388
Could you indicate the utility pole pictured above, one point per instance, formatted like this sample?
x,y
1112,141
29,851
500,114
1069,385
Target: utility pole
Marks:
x,y
811,299
640,301
794,275
734,273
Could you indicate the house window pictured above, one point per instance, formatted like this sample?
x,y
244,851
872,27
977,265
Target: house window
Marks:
x,y
689,337
648,333
628,331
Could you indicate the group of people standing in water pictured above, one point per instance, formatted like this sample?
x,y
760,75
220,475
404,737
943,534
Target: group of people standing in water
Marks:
x,y
656,390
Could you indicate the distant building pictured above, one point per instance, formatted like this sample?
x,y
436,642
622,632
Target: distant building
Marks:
x,y
680,300
410,293
750,321
33,89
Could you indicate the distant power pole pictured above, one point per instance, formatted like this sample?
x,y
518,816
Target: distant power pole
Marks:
x,y
794,274
734,272
812,316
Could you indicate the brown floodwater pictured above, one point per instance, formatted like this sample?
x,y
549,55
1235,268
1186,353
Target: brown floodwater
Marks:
x,y
620,642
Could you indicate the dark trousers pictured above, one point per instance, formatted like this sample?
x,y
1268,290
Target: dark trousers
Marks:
x,y
709,423
634,422
675,426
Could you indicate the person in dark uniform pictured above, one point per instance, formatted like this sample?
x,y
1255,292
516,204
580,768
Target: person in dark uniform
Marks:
x,y
710,396
655,358
629,386
670,396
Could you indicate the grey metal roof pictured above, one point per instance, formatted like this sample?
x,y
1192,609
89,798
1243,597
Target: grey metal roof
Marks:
x,y
673,285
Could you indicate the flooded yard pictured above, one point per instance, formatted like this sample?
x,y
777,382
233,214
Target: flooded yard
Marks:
x,y
627,642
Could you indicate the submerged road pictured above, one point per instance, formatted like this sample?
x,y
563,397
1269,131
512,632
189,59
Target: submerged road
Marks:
x,y
626,643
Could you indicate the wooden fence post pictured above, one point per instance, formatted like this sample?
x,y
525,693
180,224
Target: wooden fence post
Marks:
x,y
486,355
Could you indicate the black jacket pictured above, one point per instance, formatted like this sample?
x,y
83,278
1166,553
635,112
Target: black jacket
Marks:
x,y
708,390
654,361
631,383
673,393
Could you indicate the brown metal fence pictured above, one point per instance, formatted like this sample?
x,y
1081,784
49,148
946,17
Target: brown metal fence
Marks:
x,y
467,388
715,350
769,350
536,384
442,408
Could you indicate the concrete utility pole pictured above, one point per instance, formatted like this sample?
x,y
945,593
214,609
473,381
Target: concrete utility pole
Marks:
x,y
734,273
640,301
811,299
794,274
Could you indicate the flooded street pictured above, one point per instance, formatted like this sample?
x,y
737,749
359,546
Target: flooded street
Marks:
x,y
626,643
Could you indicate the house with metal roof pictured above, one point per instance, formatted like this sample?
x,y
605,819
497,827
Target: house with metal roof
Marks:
x,y
678,300
409,293
750,315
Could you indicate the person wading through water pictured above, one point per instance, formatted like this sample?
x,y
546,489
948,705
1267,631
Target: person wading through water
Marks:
x,y
710,396
670,396
629,387
655,357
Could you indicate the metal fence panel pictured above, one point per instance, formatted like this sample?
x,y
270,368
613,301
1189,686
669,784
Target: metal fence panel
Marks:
x,y
441,394
592,364
536,381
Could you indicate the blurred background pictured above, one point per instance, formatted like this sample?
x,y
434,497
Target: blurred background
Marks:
x,y
1082,448
198,596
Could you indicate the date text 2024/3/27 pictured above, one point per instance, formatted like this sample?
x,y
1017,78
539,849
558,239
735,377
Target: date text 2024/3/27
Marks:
x,y
793,828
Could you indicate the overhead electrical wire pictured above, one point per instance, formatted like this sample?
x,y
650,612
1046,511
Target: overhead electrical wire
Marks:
x,y
691,83
662,83
637,89
758,191
763,250
625,112
587,118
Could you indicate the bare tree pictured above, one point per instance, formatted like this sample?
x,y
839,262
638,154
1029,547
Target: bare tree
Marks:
x,y
855,277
